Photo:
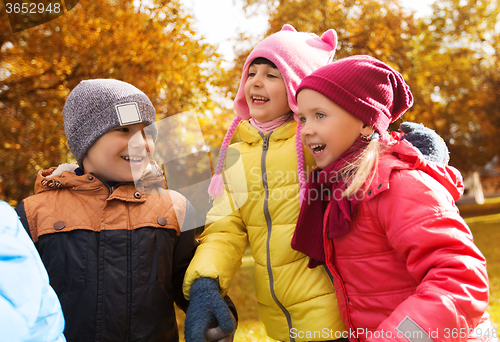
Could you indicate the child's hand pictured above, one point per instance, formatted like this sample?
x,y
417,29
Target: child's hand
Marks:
x,y
426,140
206,306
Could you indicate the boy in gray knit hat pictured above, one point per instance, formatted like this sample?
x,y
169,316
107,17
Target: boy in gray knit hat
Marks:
x,y
96,107
116,253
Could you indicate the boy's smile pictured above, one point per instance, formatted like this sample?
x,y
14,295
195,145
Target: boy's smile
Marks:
x,y
132,159
265,93
328,130
120,155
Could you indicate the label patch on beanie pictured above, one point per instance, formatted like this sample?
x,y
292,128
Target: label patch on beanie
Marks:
x,y
128,113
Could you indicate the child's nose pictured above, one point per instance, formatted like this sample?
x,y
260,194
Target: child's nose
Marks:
x,y
306,130
257,81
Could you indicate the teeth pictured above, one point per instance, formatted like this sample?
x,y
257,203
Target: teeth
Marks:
x,y
259,99
133,159
317,148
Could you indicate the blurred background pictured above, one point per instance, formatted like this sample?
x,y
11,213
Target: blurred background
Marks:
x,y
448,54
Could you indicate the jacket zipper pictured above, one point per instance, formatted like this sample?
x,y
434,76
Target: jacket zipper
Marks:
x,y
269,223
110,190
100,327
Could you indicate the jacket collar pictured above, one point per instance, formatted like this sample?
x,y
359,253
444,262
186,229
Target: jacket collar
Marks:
x,y
64,176
250,134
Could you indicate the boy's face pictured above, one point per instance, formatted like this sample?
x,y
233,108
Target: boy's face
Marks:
x,y
120,155
265,93
328,130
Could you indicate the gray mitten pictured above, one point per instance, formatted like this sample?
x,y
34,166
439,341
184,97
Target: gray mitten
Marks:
x,y
426,140
206,310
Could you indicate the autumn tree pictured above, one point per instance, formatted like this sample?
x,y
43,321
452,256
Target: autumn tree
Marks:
x,y
149,44
455,70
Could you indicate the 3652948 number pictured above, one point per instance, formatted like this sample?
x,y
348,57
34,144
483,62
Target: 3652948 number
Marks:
x,y
25,8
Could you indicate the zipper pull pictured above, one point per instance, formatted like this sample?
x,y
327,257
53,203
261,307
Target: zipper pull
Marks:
x,y
265,144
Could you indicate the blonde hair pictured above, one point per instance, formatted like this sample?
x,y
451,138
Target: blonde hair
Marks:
x,y
365,165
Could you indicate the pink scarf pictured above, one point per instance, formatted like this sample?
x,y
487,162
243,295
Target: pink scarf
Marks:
x,y
325,185
269,126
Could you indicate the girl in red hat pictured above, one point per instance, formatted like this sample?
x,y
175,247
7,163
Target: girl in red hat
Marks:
x,y
381,217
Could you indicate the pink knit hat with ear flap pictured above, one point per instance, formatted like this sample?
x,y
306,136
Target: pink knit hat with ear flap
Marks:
x,y
296,55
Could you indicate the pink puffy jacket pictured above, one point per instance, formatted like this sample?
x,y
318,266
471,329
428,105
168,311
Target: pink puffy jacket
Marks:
x,y
408,269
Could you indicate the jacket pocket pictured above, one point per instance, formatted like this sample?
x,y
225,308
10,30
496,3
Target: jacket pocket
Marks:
x,y
64,255
155,255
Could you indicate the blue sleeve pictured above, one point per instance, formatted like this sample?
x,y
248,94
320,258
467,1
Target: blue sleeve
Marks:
x,y
21,213
29,307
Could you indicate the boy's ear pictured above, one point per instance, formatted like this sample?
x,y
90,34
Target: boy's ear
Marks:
x,y
366,130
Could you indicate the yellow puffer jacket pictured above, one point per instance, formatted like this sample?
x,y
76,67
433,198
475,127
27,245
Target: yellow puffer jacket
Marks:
x,y
295,303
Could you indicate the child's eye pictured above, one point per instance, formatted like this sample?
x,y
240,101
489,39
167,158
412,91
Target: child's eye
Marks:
x,y
121,129
320,115
302,119
251,74
272,76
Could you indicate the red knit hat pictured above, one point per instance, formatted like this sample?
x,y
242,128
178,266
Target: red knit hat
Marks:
x,y
365,87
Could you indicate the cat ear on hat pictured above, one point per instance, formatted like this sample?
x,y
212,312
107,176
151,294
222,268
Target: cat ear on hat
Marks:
x,y
330,37
288,27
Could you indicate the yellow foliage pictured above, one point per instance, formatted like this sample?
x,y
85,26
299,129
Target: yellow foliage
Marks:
x,y
150,45
450,59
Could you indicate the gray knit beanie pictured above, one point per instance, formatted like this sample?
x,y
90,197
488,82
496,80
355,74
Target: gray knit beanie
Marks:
x,y
97,106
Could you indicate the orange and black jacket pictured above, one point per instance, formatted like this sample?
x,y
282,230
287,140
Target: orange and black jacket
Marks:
x,y
116,256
